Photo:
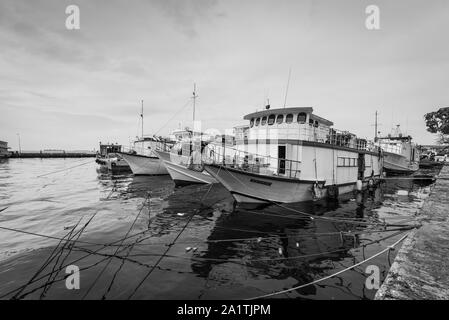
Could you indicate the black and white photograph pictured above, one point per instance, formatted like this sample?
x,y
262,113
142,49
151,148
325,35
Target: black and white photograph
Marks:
x,y
249,152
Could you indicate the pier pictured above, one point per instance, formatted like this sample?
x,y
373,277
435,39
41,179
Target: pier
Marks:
x,y
53,154
421,268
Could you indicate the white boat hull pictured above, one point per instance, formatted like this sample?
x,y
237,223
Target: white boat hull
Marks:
x,y
398,164
144,165
181,175
248,188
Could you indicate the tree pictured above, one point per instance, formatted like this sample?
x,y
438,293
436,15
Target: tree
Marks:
x,y
438,122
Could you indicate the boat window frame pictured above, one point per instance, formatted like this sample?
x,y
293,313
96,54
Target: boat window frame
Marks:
x,y
301,114
291,119
251,123
280,116
273,116
257,122
262,121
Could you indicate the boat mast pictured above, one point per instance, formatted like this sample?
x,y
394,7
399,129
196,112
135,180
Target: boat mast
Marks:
x,y
194,98
375,129
141,115
288,84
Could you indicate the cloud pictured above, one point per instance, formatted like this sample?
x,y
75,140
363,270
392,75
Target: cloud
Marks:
x,y
237,52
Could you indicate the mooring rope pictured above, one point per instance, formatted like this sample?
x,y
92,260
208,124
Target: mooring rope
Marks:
x,y
332,275
127,233
62,170
311,216
162,256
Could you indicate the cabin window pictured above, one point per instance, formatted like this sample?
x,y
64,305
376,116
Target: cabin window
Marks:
x,y
257,121
251,123
310,122
289,118
271,119
264,121
346,162
280,119
315,124
302,117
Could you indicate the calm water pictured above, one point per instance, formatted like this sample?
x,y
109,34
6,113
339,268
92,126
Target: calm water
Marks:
x,y
222,253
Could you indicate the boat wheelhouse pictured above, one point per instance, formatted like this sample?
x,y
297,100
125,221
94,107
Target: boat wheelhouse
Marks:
x,y
401,155
293,155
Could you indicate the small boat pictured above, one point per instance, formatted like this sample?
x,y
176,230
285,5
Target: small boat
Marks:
x,y
291,155
109,159
183,162
4,153
401,155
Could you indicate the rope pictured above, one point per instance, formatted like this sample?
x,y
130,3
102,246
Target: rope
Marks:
x,y
65,169
160,259
332,275
127,233
181,109
311,216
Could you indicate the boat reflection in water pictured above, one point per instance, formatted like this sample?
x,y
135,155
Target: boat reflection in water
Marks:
x,y
189,243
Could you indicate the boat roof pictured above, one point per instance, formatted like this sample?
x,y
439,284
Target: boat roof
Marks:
x,y
401,138
288,110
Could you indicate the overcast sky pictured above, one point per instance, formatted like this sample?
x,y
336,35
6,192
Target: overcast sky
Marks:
x,y
70,89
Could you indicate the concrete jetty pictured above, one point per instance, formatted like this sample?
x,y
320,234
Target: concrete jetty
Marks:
x,y
421,268
50,154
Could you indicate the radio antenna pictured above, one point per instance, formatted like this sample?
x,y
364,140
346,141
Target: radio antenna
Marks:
x,y
288,84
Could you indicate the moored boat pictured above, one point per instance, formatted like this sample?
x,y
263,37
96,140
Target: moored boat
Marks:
x,y
109,159
4,153
184,160
143,159
292,155
401,155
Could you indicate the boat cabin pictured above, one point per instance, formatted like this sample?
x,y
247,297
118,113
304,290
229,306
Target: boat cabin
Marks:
x,y
293,142
109,148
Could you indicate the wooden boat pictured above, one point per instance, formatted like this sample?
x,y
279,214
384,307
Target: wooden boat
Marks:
x,y
292,155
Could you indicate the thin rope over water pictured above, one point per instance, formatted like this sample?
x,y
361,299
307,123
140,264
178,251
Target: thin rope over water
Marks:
x,y
332,275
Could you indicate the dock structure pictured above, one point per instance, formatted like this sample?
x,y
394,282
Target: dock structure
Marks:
x,y
52,154
421,268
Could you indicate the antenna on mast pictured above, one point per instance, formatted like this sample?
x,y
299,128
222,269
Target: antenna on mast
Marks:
x,y
375,129
194,98
141,115
288,84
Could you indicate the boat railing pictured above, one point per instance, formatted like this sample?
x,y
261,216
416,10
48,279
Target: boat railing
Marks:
x,y
251,162
148,149
320,134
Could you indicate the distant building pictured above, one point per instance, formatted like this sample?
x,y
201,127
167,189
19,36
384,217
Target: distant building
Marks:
x,y
4,149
